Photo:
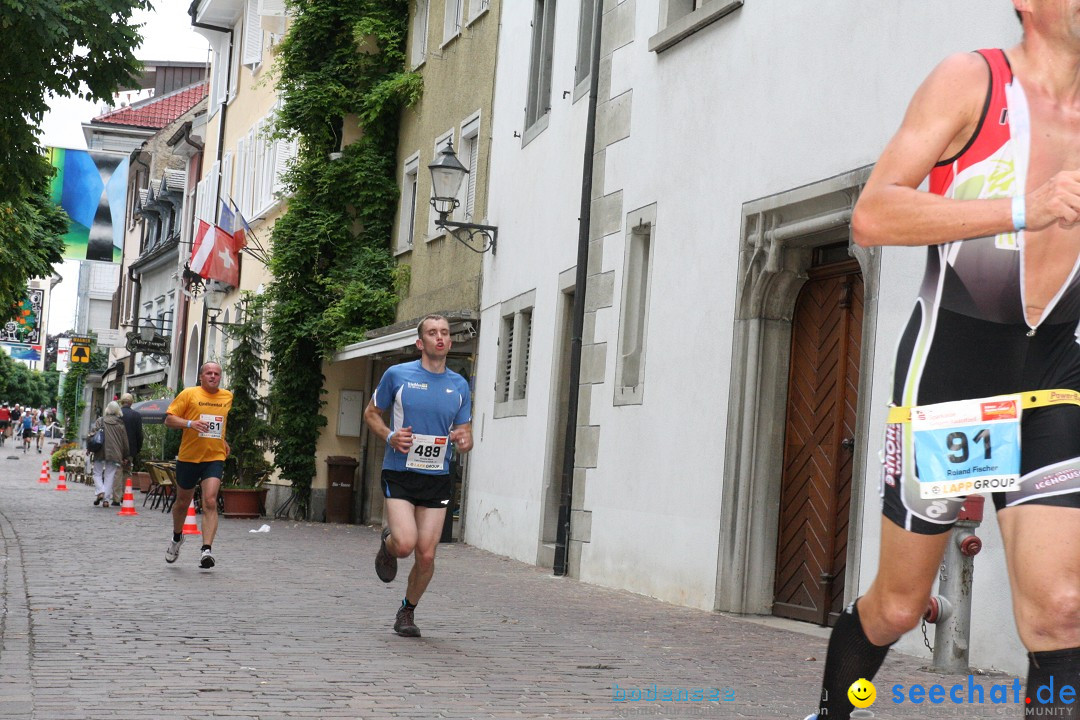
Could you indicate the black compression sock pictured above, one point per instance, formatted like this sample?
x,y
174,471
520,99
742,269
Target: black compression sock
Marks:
x,y
176,537
1048,673
205,547
851,656
406,604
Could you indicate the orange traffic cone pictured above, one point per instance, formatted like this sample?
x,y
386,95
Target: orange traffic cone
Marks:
x,y
128,508
61,483
44,473
190,526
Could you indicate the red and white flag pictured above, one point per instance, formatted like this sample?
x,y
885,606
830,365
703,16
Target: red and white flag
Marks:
x,y
215,256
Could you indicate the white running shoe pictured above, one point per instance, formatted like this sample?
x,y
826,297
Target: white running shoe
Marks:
x,y
174,549
206,561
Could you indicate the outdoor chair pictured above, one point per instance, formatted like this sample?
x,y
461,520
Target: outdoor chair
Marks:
x,y
162,486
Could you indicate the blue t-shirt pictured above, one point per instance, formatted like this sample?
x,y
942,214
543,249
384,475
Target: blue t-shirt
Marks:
x,y
430,403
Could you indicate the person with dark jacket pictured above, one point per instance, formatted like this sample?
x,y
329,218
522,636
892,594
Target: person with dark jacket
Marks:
x,y
133,425
113,454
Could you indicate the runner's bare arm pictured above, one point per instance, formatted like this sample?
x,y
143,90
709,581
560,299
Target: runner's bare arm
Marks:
x,y
940,119
373,416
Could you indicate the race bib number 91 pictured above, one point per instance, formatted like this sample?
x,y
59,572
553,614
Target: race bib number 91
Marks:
x,y
968,446
428,452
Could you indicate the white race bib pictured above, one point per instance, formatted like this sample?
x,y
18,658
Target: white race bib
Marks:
x,y
216,423
967,446
428,452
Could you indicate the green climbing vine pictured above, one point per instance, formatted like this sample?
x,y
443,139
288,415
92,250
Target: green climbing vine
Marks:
x,y
342,61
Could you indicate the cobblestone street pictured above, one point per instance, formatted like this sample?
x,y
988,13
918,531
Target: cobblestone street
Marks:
x,y
293,623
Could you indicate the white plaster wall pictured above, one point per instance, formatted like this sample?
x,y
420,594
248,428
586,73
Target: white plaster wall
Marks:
x,y
776,96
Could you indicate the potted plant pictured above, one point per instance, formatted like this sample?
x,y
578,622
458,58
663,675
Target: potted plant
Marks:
x,y
246,430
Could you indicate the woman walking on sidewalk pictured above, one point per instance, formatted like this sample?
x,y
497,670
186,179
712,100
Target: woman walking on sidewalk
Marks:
x,y
114,452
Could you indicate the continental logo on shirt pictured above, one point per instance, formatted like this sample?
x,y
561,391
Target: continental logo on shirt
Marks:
x,y
416,386
210,404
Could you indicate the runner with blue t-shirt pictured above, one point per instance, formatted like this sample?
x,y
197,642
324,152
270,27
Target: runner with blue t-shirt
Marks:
x,y
430,410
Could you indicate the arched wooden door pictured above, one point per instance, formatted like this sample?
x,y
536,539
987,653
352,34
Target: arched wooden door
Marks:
x,y
815,495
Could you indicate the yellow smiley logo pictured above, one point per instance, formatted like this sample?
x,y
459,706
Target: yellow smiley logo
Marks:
x,y
862,693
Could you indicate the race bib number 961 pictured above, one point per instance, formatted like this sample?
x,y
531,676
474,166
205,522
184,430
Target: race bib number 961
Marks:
x,y
968,446
216,423
428,452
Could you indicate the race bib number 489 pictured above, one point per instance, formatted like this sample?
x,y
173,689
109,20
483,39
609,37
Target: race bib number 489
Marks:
x,y
968,446
428,452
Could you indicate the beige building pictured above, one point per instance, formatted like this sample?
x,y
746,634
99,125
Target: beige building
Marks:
x,y
452,44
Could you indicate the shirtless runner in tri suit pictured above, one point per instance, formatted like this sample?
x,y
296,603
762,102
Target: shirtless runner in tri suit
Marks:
x,y
998,135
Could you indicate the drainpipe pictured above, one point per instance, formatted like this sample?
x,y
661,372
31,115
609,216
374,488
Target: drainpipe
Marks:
x,y
562,538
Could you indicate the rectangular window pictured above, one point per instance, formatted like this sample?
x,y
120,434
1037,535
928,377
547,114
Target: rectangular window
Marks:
x,y
453,19
407,212
476,7
253,35
419,31
538,102
633,321
515,348
679,19
584,47
468,153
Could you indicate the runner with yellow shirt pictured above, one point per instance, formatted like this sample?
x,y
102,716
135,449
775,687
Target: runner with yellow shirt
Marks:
x,y
200,412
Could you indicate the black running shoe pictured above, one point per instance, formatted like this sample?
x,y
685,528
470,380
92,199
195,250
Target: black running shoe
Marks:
x,y
385,563
404,625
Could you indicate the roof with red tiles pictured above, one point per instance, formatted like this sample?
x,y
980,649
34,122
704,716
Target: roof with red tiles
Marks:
x,y
155,112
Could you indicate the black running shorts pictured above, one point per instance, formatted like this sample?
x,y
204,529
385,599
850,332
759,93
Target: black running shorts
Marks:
x,y
190,474
968,358
430,491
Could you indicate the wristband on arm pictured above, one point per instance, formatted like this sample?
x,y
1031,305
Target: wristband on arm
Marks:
x,y
1019,212
390,436
189,423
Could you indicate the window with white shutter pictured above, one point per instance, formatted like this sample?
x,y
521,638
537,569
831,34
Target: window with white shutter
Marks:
x,y
286,151
584,48
515,346
253,35
476,7
240,185
634,311
225,191
407,210
419,31
468,154
272,16
538,101
453,19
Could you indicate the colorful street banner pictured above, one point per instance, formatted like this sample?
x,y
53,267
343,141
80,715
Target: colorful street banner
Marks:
x,y
92,188
25,327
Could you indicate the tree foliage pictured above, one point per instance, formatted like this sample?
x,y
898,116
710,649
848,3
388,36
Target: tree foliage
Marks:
x,y
247,431
83,48
342,61
19,384
30,244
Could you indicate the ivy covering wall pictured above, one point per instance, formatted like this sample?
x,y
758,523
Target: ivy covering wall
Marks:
x,y
342,61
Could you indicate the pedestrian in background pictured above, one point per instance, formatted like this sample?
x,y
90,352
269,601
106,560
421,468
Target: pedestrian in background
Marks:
x,y
133,426
113,454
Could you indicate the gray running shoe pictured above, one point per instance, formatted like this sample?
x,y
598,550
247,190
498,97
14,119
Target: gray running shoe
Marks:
x,y
404,625
174,549
385,564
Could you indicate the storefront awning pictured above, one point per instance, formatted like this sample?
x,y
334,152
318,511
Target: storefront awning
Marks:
x,y
462,330
375,346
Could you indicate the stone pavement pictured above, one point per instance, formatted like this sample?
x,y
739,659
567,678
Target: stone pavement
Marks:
x,y
293,623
